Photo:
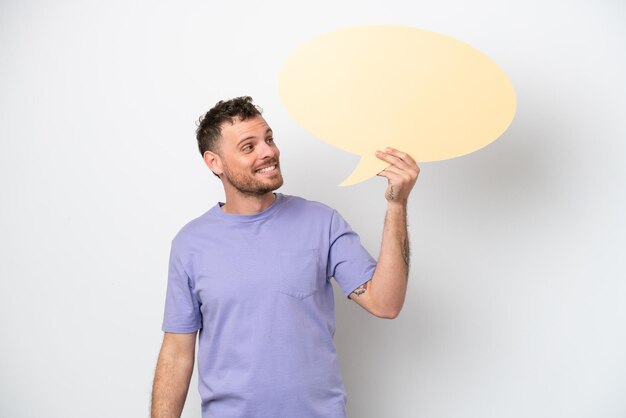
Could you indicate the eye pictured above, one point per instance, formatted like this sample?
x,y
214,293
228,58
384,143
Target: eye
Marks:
x,y
247,148
270,140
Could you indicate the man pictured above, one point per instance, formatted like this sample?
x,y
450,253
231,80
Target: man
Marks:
x,y
253,275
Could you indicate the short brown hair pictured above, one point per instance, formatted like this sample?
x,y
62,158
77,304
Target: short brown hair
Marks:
x,y
210,125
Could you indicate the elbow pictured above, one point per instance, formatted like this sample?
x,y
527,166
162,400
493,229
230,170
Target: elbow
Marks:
x,y
388,309
388,313
392,315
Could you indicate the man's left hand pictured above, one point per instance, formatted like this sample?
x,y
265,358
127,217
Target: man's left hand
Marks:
x,y
401,174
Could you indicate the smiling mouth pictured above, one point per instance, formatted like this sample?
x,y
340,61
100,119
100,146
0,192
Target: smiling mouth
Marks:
x,y
266,169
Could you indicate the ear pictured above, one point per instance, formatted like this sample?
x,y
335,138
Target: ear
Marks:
x,y
214,162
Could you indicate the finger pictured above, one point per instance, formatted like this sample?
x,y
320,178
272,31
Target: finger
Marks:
x,y
391,175
401,155
411,169
396,170
406,175
382,170
411,166
392,159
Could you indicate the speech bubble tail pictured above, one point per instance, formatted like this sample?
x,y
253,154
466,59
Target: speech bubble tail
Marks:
x,y
367,167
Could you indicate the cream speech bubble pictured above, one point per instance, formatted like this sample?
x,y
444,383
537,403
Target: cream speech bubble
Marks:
x,y
368,87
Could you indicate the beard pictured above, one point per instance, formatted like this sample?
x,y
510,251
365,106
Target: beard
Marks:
x,y
250,185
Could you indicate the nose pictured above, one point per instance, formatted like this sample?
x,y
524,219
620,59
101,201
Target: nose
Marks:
x,y
267,151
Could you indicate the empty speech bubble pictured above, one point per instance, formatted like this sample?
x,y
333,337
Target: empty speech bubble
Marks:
x,y
364,88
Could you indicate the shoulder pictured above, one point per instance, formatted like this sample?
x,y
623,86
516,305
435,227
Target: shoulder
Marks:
x,y
192,230
317,211
300,204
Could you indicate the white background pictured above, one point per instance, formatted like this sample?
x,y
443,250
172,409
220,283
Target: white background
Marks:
x,y
516,300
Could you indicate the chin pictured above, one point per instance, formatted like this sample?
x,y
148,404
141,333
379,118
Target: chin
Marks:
x,y
276,185
274,182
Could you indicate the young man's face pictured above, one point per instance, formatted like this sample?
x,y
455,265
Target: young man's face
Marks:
x,y
249,156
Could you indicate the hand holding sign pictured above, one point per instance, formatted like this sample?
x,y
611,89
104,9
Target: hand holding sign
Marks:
x,y
371,87
401,174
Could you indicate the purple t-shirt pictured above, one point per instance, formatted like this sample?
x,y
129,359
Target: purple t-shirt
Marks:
x,y
258,289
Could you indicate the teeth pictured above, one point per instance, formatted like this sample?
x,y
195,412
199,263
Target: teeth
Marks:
x,y
266,169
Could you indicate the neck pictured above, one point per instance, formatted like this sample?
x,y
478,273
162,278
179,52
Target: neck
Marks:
x,y
241,204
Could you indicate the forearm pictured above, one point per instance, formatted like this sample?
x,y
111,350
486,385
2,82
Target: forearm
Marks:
x,y
389,282
171,384
384,294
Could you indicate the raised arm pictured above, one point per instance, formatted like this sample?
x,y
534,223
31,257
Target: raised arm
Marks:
x,y
384,294
173,374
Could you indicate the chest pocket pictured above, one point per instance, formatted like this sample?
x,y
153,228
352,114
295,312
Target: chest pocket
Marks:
x,y
299,272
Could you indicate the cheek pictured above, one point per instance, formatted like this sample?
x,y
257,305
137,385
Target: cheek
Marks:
x,y
245,160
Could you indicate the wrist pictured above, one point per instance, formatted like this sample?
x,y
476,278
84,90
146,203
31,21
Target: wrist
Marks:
x,y
397,205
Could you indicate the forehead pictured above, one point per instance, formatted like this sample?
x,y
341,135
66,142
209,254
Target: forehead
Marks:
x,y
255,127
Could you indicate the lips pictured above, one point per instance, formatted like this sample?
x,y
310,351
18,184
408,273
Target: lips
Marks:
x,y
267,168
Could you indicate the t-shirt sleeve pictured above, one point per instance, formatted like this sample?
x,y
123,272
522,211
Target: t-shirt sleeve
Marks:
x,y
182,309
348,262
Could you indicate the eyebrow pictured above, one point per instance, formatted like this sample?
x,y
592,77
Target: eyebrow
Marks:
x,y
269,130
